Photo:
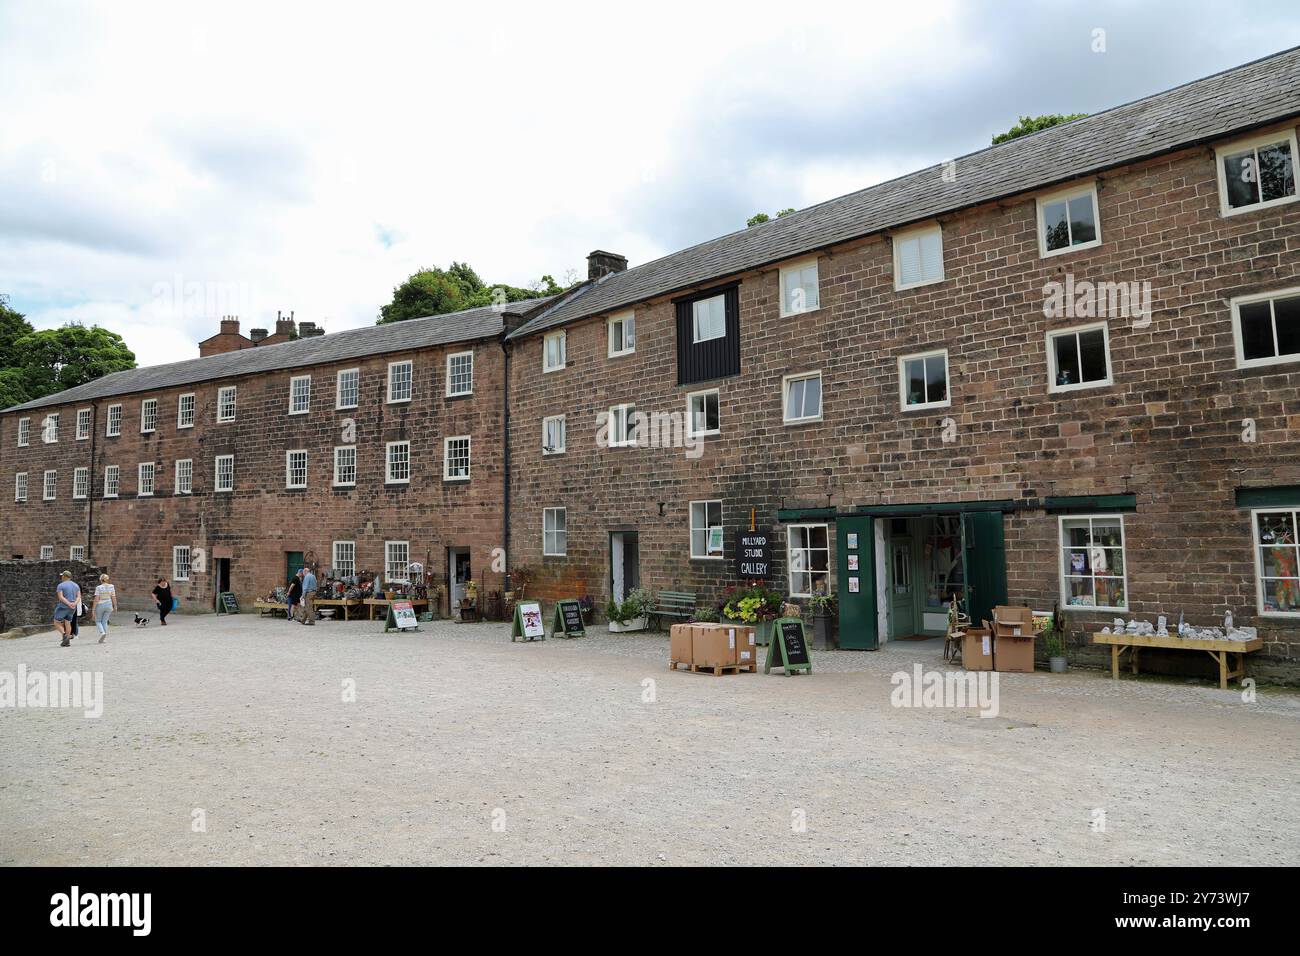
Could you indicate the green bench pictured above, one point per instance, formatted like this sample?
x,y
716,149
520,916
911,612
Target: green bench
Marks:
x,y
678,604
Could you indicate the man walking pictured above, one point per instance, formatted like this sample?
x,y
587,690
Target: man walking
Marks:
x,y
67,598
308,596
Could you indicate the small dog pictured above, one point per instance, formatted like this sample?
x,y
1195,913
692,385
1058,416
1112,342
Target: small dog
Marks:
x,y
141,621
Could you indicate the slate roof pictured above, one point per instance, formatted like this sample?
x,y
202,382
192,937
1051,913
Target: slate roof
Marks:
x,y
1225,103
466,326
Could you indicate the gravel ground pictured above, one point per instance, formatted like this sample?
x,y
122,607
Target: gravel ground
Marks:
x,y
462,748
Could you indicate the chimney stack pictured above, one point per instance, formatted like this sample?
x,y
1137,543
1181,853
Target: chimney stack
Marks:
x,y
601,264
230,325
284,326
227,338
307,330
256,335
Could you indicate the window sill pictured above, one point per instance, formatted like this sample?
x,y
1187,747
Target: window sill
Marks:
x,y
618,355
795,315
397,484
455,395
1227,211
346,408
455,481
925,407
398,401
920,285
1088,608
789,422
1066,250
1079,387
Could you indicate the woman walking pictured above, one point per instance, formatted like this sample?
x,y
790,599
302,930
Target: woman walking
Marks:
x,y
162,595
67,596
105,605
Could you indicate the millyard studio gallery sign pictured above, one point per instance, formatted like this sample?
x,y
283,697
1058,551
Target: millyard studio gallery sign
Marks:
x,y
753,554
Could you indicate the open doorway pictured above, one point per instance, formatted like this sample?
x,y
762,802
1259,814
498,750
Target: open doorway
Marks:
x,y
220,578
925,568
459,575
624,564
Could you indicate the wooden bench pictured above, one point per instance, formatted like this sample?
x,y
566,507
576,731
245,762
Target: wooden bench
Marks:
x,y
679,604
1133,644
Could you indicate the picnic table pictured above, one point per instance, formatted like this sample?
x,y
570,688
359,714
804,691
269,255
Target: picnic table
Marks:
x,y
345,603
1133,644
385,603
271,607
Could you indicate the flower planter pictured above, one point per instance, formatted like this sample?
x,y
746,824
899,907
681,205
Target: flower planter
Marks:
x,y
823,632
636,624
763,631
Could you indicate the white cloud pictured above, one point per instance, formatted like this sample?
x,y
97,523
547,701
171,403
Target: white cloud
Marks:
x,y
310,159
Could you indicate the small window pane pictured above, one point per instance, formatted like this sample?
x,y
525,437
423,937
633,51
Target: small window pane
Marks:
x,y
1256,330
1067,359
1276,174
936,379
1286,313
915,381
1055,227
1083,226
1092,349
1242,177
710,318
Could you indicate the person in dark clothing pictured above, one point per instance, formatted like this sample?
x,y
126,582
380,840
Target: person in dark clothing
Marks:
x,y
295,595
162,595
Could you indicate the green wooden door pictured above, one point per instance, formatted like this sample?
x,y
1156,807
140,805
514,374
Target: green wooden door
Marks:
x,y
986,563
292,564
856,538
902,596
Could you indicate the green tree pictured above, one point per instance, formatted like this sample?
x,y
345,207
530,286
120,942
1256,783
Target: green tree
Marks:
x,y
13,326
759,217
435,291
1032,124
55,359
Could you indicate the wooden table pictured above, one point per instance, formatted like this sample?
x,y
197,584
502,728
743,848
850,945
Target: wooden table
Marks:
x,y
1133,644
270,607
384,602
346,603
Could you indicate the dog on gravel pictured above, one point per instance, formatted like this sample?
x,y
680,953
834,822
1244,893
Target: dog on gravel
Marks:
x,y
141,621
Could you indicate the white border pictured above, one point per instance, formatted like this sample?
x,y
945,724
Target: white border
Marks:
x,y
902,381
1109,380
1066,195
909,233
1286,133
1060,562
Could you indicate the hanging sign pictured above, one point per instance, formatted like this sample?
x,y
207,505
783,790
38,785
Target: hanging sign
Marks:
x,y
527,622
789,647
753,554
568,619
401,617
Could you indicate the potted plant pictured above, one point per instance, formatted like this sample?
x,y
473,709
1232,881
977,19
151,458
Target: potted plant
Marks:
x,y
704,615
757,604
1052,630
632,613
587,604
824,615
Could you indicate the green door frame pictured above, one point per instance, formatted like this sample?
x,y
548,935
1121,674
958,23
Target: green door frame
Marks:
x,y
858,623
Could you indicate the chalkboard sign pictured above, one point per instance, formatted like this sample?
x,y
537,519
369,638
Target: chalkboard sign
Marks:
x,y
568,620
527,623
789,647
226,603
753,554
401,617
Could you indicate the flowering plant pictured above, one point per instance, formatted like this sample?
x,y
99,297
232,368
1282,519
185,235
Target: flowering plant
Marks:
x,y
756,603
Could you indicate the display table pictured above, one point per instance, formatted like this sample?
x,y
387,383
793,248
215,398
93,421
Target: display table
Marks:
x,y
270,607
346,603
386,603
1133,644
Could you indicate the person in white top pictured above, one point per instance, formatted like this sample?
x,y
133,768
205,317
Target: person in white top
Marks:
x,y
105,605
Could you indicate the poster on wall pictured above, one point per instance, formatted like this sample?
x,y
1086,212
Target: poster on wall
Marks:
x,y
851,539
1078,562
853,585
853,562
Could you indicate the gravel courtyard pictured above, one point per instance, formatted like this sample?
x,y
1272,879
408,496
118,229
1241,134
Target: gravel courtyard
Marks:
x,y
461,748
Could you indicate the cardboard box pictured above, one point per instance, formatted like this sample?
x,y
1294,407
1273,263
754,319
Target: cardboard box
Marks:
x,y
1013,622
977,649
679,642
746,645
713,644
1014,655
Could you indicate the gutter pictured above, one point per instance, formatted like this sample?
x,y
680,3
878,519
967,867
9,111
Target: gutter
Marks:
x,y
90,483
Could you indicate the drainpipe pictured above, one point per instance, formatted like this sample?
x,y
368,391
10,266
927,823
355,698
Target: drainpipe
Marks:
x,y
505,429
90,482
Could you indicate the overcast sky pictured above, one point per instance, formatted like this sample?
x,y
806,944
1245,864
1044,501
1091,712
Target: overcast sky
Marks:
x,y
163,164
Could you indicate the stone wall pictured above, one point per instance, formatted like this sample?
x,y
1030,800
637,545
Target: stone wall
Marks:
x,y
27,589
